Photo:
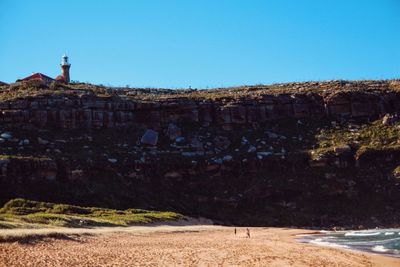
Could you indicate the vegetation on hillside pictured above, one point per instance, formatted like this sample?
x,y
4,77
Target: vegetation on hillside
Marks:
x,y
360,137
30,214
36,87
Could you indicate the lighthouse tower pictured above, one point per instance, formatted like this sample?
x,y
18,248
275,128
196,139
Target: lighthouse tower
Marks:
x,y
65,68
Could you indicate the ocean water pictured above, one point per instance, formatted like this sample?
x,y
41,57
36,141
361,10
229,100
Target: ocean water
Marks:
x,y
381,241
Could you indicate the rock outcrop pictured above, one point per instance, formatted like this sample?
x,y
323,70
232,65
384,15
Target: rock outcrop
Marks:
x,y
247,155
82,110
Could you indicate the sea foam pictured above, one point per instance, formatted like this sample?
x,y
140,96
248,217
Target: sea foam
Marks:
x,y
362,233
379,249
382,241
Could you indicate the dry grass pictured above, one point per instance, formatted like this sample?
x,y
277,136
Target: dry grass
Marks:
x,y
31,235
28,214
325,88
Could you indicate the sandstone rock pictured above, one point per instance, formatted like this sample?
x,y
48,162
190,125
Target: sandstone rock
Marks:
x,y
150,137
227,127
4,161
112,160
330,175
396,172
238,114
3,166
390,119
272,135
173,131
251,149
76,174
342,149
179,139
172,174
24,142
244,141
212,167
192,153
227,158
6,135
263,154
319,162
196,143
42,141
48,174
218,160
222,142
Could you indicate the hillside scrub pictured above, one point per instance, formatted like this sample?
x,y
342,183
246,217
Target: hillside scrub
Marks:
x,y
36,87
26,213
361,137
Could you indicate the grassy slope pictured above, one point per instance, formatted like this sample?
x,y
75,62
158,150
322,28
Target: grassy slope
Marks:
x,y
361,137
20,213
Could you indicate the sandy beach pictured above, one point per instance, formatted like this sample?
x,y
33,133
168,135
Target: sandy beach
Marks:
x,y
181,246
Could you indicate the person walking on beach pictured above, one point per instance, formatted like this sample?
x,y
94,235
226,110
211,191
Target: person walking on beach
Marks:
x,y
248,232
235,231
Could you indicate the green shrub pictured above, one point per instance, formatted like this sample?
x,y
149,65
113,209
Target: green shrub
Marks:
x,y
22,211
69,209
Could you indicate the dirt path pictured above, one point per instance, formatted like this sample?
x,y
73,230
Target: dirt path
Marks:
x,y
183,246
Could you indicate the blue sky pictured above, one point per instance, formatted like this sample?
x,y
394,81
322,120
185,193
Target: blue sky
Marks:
x,y
203,43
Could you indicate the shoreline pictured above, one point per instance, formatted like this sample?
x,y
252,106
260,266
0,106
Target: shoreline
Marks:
x,y
184,245
324,238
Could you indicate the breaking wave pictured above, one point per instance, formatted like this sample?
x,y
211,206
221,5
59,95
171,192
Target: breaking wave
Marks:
x,y
382,241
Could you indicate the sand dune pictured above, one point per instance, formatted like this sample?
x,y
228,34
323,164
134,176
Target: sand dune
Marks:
x,y
180,246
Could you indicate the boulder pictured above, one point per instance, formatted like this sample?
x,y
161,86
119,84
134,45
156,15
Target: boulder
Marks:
x,y
172,174
24,142
173,131
319,162
342,149
76,174
6,135
272,135
190,154
263,154
42,141
227,158
150,137
396,173
222,142
252,149
390,119
179,139
196,143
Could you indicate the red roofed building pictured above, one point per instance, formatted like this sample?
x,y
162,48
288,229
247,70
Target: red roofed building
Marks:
x,y
64,77
60,78
40,76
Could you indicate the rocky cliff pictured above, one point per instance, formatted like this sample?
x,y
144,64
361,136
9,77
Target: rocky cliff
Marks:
x,y
315,153
67,108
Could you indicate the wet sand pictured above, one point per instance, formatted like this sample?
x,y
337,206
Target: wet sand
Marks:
x,y
181,246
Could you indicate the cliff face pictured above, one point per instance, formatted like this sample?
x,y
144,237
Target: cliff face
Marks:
x,y
84,110
297,153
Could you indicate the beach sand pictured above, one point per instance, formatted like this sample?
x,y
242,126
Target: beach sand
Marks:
x,y
197,245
